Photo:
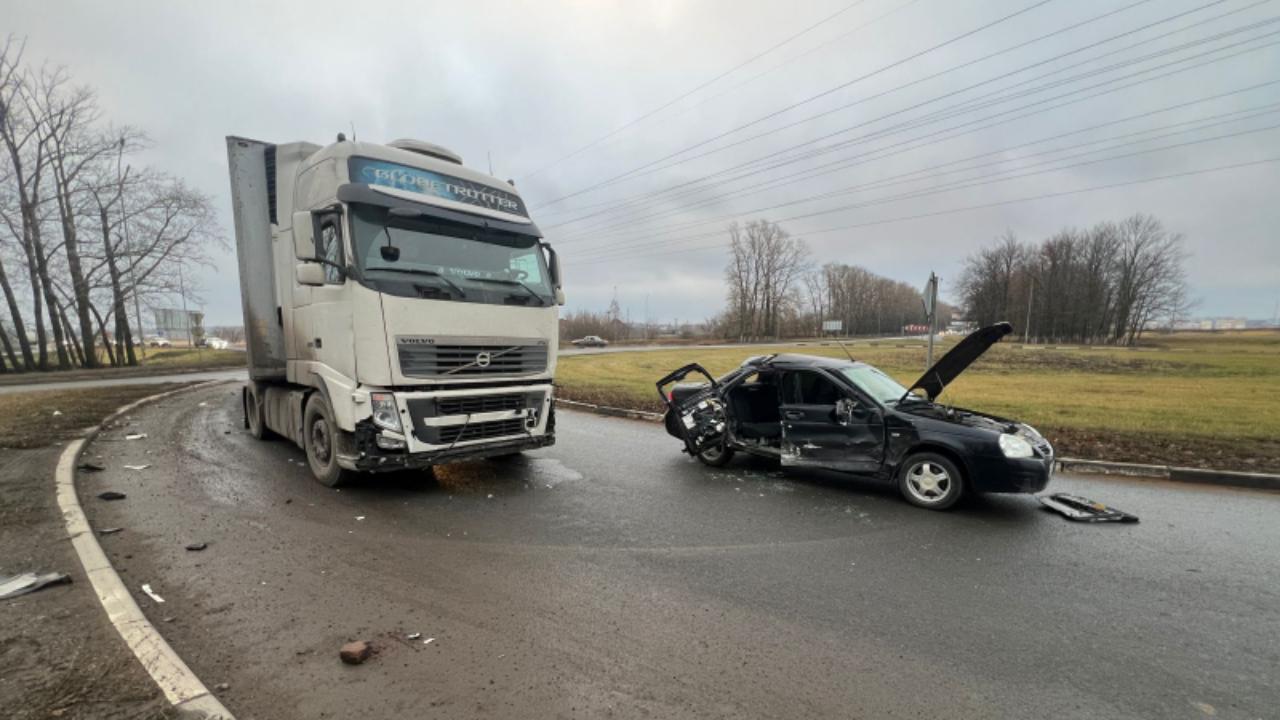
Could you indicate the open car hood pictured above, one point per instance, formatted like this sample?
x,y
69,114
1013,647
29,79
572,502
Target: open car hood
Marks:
x,y
936,378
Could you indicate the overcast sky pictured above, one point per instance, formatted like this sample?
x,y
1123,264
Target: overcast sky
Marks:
x,y
529,83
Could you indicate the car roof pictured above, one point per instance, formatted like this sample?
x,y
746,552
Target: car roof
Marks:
x,y
799,361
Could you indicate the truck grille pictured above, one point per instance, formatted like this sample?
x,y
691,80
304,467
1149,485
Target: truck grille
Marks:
x,y
478,404
480,431
433,360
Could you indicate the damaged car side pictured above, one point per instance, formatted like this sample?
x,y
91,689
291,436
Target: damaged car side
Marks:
x,y
848,416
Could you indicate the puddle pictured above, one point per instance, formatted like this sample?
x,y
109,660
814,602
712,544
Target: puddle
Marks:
x,y
550,472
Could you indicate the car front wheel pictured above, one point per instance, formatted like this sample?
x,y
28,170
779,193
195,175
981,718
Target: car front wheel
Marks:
x,y
716,456
930,480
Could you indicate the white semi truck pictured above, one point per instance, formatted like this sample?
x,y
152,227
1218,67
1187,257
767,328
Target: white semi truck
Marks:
x,y
400,309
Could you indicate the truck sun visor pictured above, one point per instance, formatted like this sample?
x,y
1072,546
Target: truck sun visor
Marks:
x,y
428,182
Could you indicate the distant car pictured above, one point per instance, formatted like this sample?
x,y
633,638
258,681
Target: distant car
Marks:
x,y
159,342
591,341
217,343
844,415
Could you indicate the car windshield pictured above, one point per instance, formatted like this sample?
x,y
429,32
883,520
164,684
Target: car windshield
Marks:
x,y
455,261
875,383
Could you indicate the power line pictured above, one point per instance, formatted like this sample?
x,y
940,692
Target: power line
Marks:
x,y
702,86
954,109
806,101
983,206
907,177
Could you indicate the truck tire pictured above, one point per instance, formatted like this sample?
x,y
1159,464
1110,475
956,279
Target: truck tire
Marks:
x,y
255,416
320,435
930,480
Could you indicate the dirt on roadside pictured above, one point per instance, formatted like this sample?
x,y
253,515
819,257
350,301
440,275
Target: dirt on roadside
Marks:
x,y
60,657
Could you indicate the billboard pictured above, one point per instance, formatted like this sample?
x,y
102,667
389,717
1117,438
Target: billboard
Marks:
x,y
832,325
179,324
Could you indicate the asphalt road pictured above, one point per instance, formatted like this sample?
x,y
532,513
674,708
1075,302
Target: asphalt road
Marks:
x,y
611,576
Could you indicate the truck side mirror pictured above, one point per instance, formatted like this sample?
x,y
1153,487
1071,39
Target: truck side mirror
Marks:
x,y
309,273
553,265
559,296
304,239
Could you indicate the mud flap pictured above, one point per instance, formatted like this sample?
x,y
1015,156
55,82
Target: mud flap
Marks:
x,y
701,417
1080,509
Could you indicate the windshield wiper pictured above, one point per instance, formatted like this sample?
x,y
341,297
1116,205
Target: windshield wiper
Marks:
x,y
422,271
504,281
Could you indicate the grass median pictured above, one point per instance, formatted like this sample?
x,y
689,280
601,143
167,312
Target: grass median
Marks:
x,y
1193,399
44,417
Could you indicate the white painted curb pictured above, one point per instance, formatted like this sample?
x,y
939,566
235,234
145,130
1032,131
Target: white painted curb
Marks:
x,y
181,687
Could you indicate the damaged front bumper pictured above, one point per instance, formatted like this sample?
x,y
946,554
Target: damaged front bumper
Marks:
x,y
454,425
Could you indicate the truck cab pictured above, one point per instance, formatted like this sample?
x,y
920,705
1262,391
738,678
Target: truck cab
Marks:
x,y
401,310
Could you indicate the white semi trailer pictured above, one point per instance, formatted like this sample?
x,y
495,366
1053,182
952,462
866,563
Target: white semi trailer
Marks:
x,y
400,309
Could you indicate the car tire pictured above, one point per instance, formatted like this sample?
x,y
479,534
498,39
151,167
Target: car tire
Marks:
x,y
716,456
320,434
255,416
931,481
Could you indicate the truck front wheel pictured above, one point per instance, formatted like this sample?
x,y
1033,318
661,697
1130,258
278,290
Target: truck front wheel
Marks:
x,y
321,436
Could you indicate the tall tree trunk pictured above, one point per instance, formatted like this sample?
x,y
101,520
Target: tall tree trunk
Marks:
x,y
45,284
77,352
19,326
106,339
124,334
8,350
79,284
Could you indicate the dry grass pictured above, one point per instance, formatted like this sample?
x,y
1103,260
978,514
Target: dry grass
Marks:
x,y
1188,398
27,419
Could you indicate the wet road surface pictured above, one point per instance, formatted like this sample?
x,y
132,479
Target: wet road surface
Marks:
x,y
611,576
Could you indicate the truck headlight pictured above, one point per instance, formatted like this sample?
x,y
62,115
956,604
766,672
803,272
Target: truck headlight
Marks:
x,y
385,414
1015,446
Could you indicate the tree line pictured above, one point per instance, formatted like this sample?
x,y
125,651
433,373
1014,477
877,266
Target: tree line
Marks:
x,y
776,291
1105,284
86,237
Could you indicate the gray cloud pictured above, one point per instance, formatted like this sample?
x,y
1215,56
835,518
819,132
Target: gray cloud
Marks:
x,y
531,82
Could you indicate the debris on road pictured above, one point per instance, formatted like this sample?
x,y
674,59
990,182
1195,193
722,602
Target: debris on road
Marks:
x,y
109,531
14,585
221,687
354,653
56,413
146,588
413,636
359,517
135,436
111,495
90,467
428,641
1082,509
197,546
136,467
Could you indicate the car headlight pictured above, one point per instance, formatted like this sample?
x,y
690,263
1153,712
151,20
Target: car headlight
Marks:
x,y
385,414
1015,446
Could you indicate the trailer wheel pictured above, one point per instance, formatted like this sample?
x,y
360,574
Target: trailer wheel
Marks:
x,y
255,419
320,435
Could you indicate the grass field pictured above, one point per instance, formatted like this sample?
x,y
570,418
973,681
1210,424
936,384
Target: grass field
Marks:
x,y
1194,399
158,361
28,419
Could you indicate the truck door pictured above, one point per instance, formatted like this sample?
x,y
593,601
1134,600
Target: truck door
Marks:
x,y
328,339
825,425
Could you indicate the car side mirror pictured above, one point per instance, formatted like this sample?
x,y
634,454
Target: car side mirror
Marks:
x,y
304,239
310,273
846,409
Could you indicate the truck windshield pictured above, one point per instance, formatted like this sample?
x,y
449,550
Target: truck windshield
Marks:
x,y
447,261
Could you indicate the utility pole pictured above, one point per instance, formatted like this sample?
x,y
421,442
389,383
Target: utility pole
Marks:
x,y
1031,293
931,312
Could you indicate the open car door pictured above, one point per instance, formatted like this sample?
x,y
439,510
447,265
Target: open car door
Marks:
x,y
699,413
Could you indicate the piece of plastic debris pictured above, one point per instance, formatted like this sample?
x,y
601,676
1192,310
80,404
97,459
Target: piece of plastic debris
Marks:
x,y
221,687
490,496
146,588
111,495
109,531
56,413
90,467
413,636
197,546
135,436
359,517
14,585
354,653
136,467
428,641
202,405
1081,509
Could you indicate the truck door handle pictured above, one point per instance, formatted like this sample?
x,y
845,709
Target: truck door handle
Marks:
x,y
793,415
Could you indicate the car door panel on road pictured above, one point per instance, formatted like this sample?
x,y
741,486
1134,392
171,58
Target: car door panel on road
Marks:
x,y
813,434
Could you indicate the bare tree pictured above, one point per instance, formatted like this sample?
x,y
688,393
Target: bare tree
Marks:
x,y
765,264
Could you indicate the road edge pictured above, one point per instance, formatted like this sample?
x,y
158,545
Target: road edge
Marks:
x,y
179,684
1201,476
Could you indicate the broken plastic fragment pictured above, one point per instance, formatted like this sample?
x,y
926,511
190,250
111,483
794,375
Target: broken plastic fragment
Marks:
x,y
197,546
413,636
56,413
136,467
1081,509
90,467
146,588
111,495
109,531
136,436
15,585
428,641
